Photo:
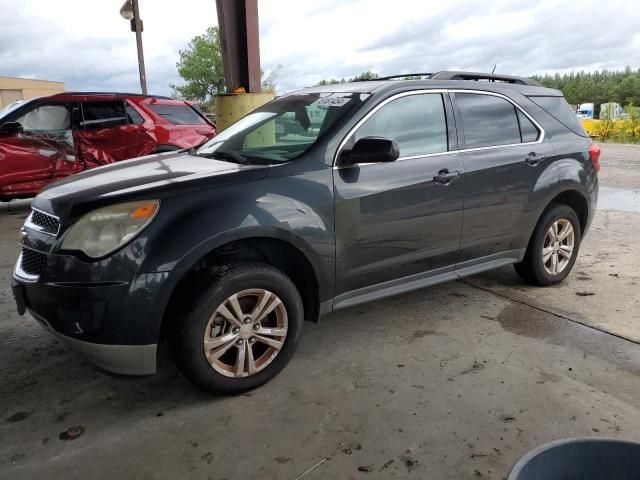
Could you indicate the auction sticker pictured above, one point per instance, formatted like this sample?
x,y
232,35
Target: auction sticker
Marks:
x,y
331,101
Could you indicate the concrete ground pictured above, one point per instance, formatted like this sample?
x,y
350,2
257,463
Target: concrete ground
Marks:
x,y
454,381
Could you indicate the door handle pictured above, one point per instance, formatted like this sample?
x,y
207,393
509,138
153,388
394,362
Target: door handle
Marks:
x,y
533,159
445,177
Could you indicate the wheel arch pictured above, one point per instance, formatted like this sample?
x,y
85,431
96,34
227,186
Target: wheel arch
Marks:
x,y
288,256
573,196
577,201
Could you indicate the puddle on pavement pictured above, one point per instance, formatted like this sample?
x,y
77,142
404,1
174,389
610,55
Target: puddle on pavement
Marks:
x,y
530,322
623,199
526,321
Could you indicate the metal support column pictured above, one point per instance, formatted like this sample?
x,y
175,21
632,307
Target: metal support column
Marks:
x,y
239,37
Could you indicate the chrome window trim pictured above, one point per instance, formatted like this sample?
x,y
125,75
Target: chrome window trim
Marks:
x,y
440,91
32,226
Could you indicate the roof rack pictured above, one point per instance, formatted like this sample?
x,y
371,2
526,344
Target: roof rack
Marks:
x,y
404,75
125,94
476,76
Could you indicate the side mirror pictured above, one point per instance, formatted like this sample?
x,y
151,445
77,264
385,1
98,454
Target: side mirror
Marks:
x,y
10,128
372,150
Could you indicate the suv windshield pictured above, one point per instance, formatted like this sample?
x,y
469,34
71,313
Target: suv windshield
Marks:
x,y
283,129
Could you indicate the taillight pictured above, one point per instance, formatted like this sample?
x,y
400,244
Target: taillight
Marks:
x,y
594,153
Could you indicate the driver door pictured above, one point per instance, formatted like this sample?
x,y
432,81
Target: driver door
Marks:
x,y
29,158
399,223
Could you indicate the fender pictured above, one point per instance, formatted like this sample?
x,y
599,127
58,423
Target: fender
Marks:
x,y
323,267
321,263
287,208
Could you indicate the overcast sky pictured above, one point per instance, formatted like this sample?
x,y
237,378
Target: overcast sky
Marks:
x,y
86,43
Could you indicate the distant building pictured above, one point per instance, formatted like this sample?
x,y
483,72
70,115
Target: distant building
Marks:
x,y
13,88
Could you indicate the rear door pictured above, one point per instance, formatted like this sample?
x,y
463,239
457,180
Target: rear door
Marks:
x,y
108,133
504,155
28,159
399,219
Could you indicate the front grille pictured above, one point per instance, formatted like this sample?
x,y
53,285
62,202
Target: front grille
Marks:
x,y
45,222
33,262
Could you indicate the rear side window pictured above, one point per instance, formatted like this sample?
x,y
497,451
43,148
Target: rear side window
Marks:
x,y
133,116
178,114
104,114
528,131
416,122
559,109
487,120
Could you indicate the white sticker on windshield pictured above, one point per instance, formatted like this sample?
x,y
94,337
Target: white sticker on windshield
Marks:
x,y
331,101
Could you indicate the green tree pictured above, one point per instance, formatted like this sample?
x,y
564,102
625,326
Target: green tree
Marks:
x,y
200,66
270,82
366,75
599,87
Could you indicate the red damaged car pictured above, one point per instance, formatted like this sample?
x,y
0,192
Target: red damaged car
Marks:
x,y
47,138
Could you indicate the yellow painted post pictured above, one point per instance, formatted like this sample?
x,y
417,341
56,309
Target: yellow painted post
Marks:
x,y
231,107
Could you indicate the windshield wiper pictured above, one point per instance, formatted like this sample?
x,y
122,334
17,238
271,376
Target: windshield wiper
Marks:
x,y
228,156
192,150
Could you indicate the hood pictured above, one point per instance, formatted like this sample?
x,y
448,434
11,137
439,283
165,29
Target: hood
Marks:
x,y
151,175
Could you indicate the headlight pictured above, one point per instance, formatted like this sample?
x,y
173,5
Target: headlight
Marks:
x,y
106,229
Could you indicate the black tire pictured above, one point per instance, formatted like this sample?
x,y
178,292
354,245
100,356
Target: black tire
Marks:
x,y
187,338
532,269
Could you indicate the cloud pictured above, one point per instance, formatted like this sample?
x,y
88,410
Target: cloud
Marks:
x,y
90,47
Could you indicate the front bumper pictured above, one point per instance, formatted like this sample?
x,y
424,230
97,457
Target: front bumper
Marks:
x,y
123,359
108,314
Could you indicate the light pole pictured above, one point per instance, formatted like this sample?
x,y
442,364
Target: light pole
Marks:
x,y
130,11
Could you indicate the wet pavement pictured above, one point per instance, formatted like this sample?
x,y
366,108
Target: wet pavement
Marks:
x,y
454,381
621,199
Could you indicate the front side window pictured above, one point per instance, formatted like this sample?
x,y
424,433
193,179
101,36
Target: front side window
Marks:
x,y
178,114
46,118
487,120
283,129
416,122
104,114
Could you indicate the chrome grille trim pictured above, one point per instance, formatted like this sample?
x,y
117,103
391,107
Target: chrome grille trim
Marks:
x,y
19,273
43,222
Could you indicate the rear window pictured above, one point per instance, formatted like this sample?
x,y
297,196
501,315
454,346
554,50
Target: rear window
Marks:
x,y
178,114
559,109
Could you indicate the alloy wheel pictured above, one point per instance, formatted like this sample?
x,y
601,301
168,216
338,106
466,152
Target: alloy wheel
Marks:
x,y
558,247
245,333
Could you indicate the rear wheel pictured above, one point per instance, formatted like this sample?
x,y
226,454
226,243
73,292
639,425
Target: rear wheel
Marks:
x,y
242,330
553,247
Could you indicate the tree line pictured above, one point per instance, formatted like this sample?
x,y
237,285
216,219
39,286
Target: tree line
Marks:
x,y
621,86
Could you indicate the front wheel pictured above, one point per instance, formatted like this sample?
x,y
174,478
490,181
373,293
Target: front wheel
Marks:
x,y
553,247
242,330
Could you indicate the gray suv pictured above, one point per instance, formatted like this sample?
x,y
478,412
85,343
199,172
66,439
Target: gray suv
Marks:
x,y
383,187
